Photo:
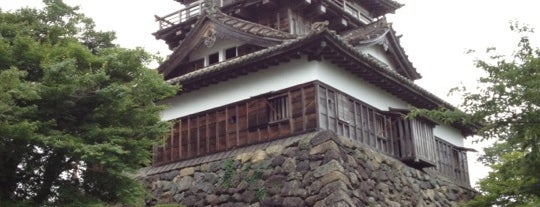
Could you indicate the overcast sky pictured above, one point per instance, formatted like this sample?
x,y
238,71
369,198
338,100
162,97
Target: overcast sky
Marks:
x,y
436,34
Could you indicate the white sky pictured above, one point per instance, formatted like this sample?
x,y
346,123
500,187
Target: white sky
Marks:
x,y
436,35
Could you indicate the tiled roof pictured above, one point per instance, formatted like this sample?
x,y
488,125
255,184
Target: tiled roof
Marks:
x,y
380,32
330,36
362,35
226,26
242,59
249,27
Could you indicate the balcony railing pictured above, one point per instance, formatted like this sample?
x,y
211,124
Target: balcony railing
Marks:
x,y
353,9
186,13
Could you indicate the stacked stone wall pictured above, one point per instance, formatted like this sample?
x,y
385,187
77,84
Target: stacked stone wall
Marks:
x,y
318,169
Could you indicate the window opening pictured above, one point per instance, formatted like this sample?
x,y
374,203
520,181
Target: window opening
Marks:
x,y
452,161
213,58
279,108
381,127
230,53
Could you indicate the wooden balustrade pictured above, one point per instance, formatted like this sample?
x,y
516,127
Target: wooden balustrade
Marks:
x,y
353,9
179,16
186,13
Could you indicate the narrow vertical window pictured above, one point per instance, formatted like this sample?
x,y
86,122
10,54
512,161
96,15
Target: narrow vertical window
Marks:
x,y
278,108
213,58
230,53
381,128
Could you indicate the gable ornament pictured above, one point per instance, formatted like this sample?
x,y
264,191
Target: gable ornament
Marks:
x,y
210,37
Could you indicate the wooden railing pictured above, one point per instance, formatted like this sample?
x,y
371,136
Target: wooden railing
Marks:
x,y
179,16
353,9
186,13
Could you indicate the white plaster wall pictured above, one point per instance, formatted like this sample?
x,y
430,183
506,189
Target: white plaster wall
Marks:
x,y
220,45
378,52
284,76
449,134
274,79
277,78
357,87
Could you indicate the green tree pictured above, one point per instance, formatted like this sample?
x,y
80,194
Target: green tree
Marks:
x,y
77,112
507,107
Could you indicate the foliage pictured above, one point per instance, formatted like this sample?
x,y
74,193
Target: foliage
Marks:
x,y
251,174
229,172
507,104
76,111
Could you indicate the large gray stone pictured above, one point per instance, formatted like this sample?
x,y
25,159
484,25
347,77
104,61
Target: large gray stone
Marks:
x,y
322,137
278,160
211,178
223,198
311,200
190,200
339,198
335,176
426,185
215,166
212,199
178,197
293,188
184,183
165,185
290,152
293,202
329,145
187,171
274,150
380,176
274,201
332,187
249,196
289,165
383,188
302,166
332,155
169,175
333,165
392,203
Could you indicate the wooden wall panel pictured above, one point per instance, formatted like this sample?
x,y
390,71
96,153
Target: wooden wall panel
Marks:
x,y
240,124
312,106
352,118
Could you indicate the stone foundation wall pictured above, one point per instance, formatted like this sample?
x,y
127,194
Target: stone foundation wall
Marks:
x,y
317,169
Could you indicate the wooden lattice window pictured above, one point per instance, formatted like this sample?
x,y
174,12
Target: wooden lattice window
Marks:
x,y
213,58
381,126
452,161
279,108
230,53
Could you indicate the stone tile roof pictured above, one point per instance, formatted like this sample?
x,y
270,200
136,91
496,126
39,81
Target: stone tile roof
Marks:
x,y
225,26
242,59
249,27
366,34
289,45
381,32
